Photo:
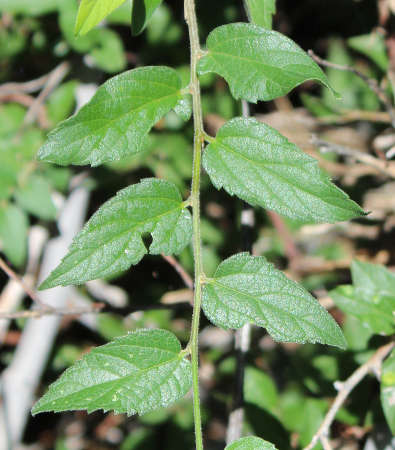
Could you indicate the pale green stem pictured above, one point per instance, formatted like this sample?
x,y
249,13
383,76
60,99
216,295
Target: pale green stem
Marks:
x,y
190,17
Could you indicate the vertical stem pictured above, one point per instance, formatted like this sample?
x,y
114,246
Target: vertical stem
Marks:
x,y
190,17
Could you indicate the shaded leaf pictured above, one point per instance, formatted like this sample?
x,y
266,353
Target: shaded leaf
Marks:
x,y
376,313
142,11
115,122
373,46
255,162
35,198
257,63
13,233
388,390
259,389
137,373
250,443
91,12
111,241
249,289
261,12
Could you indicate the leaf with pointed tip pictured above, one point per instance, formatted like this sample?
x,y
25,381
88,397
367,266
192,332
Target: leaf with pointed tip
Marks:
x,y
91,12
250,443
248,289
261,12
255,162
115,123
111,241
388,390
258,64
137,373
142,11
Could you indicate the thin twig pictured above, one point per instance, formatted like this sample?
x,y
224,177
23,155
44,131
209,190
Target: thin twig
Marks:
x,y
53,80
385,167
27,87
27,101
18,279
49,311
371,82
372,365
186,278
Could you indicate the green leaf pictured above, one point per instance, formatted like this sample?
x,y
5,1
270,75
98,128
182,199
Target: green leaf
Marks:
x,y
250,443
28,7
249,289
91,12
260,390
374,279
13,233
142,11
111,241
373,46
35,198
137,373
116,121
61,102
388,390
255,162
261,12
257,63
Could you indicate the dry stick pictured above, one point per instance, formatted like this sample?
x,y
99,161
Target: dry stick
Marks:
x,y
19,280
26,100
27,87
53,80
371,82
385,167
186,278
49,311
242,335
372,365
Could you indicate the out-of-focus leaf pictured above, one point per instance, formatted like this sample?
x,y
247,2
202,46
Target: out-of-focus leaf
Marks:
x,y
34,196
258,64
373,46
13,233
357,337
61,102
108,53
29,7
255,162
260,390
142,11
250,443
115,123
248,289
111,241
388,390
137,373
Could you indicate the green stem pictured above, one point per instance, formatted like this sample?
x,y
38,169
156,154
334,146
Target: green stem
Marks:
x,y
190,17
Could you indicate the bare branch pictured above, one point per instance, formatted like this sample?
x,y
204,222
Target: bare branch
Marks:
x,y
18,279
371,82
186,278
49,311
385,167
372,365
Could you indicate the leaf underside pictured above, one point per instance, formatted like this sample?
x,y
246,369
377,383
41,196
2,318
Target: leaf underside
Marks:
x,y
258,64
115,123
137,373
111,241
259,165
249,289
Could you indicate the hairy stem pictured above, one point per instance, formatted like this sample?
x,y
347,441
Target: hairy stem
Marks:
x,y
190,17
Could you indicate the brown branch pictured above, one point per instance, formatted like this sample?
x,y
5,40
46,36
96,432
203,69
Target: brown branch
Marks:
x,y
25,287
371,82
355,115
186,278
372,365
53,80
27,101
385,167
27,87
46,310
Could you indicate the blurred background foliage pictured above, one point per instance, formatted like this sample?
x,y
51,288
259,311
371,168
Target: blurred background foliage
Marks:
x,y
288,388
